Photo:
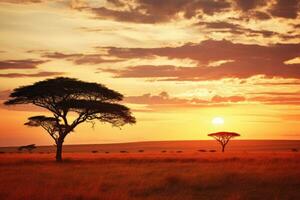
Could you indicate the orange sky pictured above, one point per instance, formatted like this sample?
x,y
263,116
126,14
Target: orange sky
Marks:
x,y
179,63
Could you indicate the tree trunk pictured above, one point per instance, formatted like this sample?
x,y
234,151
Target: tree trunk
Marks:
x,y
59,145
223,148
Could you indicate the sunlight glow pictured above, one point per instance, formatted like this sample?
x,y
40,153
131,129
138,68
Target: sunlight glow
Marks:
x,y
217,121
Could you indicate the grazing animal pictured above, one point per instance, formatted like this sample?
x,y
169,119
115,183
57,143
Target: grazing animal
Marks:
x,y
29,147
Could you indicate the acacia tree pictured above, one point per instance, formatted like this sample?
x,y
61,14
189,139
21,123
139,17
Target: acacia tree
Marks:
x,y
86,102
223,137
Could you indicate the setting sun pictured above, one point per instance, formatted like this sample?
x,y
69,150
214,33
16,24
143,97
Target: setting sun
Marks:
x,y
217,121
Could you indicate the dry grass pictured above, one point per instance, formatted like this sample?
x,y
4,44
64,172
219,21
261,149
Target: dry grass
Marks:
x,y
155,176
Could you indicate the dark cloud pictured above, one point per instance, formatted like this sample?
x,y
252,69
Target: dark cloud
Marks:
x,y
20,64
246,5
38,74
81,58
59,55
221,26
260,15
156,11
286,8
246,61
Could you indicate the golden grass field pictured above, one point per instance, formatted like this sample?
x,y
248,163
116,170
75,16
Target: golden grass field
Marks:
x,y
173,175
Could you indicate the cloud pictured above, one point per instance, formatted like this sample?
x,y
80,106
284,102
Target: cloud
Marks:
x,y
81,58
246,5
286,9
21,1
246,61
20,64
38,74
233,99
163,99
154,11
222,26
260,15
277,100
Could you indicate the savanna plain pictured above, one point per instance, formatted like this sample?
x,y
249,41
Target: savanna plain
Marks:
x,y
161,170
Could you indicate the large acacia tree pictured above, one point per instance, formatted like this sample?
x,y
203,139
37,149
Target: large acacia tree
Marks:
x,y
223,138
62,96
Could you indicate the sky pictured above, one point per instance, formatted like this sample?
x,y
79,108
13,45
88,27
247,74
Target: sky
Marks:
x,y
179,64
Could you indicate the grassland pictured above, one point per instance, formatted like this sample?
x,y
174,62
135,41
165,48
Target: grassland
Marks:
x,y
156,176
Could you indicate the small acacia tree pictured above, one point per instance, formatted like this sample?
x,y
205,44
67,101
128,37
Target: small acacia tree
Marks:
x,y
62,96
223,137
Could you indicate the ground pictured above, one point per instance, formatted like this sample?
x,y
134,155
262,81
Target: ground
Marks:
x,y
172,175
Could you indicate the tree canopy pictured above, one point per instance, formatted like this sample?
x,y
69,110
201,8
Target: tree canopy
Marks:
x,y
224,134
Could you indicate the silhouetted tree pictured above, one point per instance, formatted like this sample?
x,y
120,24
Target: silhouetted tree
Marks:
x,y
223,137
61,96
29,147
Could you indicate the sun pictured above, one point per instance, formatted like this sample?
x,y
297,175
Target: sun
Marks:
x,y
217,121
